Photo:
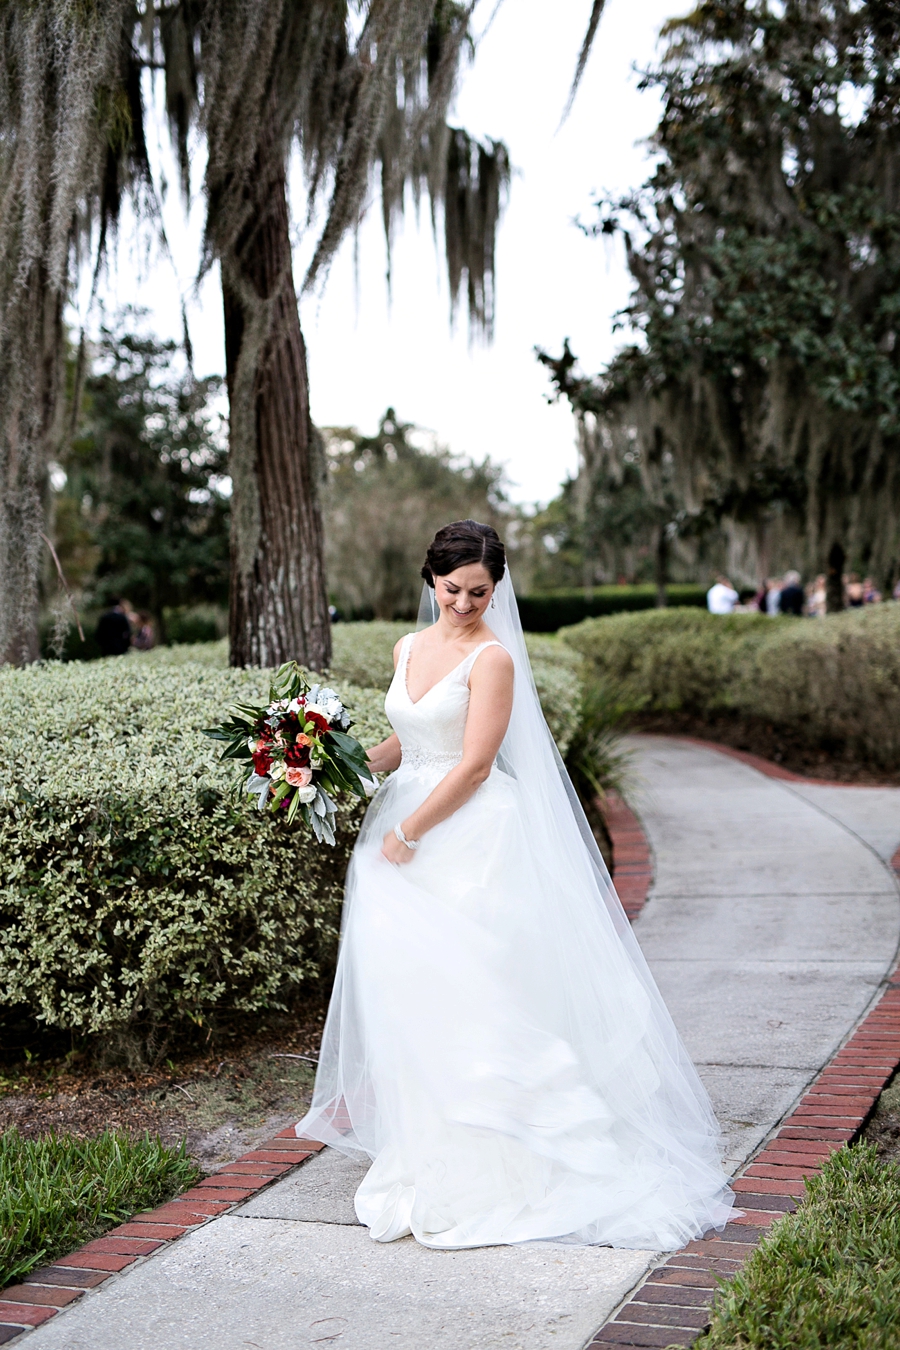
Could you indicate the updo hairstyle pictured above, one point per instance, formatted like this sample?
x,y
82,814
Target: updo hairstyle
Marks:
x,y
464,542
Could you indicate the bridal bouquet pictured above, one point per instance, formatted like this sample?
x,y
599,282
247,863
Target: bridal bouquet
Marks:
x,y
298,750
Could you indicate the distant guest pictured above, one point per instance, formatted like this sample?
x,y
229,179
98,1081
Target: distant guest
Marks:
x,y
721,597
856,596
792,597
816,601
144,636
773,597
113,630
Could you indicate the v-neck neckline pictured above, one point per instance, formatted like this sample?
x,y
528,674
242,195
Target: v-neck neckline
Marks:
x,y
414,703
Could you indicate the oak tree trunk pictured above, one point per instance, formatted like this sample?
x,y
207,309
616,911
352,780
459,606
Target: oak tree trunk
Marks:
x,y
278,601
34,392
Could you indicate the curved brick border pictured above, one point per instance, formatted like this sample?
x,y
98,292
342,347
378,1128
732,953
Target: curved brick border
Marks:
x,y
672,1306
632,864
45,1292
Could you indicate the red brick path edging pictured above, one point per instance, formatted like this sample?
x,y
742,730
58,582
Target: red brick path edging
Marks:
x,y
673,1305
47,1291
632,865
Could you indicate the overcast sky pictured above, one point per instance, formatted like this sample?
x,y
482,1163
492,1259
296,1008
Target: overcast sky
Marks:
x,y
366,352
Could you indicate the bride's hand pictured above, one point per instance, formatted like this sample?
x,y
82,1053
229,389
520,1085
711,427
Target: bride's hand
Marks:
x,y
394,851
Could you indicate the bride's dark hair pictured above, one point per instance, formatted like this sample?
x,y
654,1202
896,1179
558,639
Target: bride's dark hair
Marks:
x,y
463,542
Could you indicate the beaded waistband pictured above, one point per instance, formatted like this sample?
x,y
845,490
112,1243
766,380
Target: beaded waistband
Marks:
x,y
417,757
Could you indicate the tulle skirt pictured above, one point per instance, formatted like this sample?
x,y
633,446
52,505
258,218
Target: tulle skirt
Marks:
x,y
511,1077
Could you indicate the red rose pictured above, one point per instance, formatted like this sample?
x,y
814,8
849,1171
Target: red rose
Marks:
x,y
297,755
318,721
262,762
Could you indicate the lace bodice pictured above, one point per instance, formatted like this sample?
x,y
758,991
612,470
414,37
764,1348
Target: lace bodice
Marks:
x,y
431,729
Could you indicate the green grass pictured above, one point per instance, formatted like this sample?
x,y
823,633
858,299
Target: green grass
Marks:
x,y
829,1274
59,1192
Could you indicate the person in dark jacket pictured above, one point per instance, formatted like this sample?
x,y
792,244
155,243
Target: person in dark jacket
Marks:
x,y
792,597
113,630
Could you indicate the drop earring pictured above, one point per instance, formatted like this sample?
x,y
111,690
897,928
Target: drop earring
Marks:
x,y
493,606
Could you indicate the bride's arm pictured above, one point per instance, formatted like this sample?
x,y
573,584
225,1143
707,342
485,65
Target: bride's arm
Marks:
x,y
385,758
490,705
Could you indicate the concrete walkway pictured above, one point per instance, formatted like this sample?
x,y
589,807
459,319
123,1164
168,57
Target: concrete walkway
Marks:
x,y
772,922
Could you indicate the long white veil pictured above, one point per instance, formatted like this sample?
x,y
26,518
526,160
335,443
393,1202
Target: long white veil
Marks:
x,y
583,906
529,754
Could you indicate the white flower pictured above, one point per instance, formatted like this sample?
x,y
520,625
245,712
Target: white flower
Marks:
x,y
315,763
334,707
252,745
317,708
277,770
307,794
295,705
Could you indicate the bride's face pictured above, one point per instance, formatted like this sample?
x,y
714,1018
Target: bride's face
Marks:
x,y
464,595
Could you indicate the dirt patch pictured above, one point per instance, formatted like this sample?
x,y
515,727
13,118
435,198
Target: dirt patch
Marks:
x,y
221,1104
771,742
883,1130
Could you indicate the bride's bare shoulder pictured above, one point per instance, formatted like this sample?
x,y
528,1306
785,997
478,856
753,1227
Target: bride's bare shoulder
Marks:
x,y
493,662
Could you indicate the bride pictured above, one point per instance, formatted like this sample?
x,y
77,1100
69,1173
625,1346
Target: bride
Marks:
x,y
495,1042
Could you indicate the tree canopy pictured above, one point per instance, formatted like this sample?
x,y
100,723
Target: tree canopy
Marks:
x,y
765,248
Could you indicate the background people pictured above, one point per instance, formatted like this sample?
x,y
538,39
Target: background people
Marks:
x,y
114,630
721,597
791,597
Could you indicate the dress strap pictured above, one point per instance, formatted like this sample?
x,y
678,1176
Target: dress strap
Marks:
x,y
471,658
403,660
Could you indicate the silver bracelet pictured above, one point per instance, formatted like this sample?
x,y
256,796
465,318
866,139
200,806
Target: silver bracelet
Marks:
x,y
410,843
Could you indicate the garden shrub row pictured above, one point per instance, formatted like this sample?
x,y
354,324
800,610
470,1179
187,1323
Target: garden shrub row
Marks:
x,y
833,682
548,611
136,895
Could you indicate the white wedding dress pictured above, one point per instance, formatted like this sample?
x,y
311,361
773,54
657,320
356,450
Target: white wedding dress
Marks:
x,y
495,1042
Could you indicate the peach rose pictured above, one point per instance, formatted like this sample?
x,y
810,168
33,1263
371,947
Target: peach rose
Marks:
x,y
298,777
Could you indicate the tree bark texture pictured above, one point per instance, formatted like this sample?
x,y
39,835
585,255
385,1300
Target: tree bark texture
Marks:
x,y
278,602
31,388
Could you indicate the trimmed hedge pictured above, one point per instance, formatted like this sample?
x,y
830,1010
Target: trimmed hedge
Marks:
x,y
549,611
834,682
136,897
